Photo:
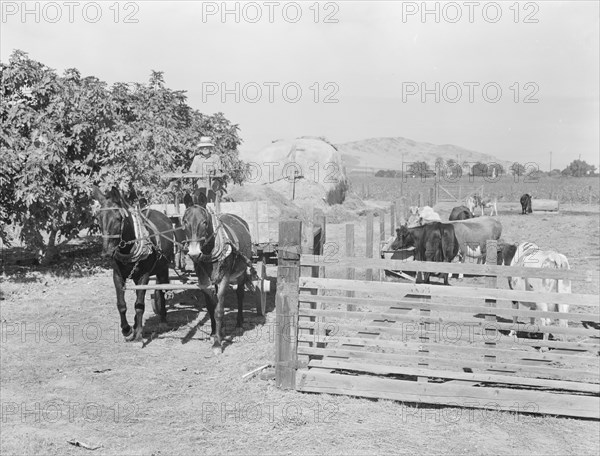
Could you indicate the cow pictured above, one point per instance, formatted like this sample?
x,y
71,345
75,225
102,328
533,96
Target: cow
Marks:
x,y
421,216
526,204
528,255
460,213
485,203
432,242
472,235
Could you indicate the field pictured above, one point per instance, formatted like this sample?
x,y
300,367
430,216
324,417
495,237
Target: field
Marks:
x,y
584,190
66,374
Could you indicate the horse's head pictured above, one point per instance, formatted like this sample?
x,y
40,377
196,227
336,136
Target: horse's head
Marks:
x,y
402,238
198,228
114,219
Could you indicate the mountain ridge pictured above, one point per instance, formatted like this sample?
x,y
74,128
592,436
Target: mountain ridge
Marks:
x,y
390,153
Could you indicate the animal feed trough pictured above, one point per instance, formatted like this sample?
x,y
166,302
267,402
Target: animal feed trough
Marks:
x,y
420,343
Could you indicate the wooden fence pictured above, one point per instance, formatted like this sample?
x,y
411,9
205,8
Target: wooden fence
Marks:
x,y
421,343
456,193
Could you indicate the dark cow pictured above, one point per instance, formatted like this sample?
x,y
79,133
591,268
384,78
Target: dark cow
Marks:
x,y
460,213
432,242
526,204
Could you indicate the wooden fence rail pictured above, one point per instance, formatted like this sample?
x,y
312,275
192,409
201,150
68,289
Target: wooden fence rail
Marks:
x,y
427,343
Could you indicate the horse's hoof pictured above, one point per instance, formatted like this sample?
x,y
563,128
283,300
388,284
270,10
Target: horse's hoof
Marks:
x,y
135,336
217,350
126,331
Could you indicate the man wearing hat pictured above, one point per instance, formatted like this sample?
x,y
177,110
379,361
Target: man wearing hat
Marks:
x,y
207,164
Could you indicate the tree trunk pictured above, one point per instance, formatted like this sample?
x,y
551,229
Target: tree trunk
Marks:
x,y
51,253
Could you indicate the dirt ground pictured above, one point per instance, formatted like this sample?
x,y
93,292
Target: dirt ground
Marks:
x,y
67,374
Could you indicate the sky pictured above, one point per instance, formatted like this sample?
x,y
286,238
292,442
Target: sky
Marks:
x,y
518,80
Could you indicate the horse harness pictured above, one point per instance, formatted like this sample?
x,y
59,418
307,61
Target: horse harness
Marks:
x,y
226,241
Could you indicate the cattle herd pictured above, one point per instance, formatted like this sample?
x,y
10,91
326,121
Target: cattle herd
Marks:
x,y
463,236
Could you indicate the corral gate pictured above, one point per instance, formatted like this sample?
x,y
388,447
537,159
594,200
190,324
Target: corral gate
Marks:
x,y
456,193
432,344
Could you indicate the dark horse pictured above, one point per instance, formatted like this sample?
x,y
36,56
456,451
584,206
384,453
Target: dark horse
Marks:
x,y
221,256
140,243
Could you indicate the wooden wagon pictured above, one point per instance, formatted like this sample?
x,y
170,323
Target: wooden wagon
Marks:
x,y
255,213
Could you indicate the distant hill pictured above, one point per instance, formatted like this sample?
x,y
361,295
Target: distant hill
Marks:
x,y
386,153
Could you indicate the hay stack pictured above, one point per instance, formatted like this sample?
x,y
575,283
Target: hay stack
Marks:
x,y
317,165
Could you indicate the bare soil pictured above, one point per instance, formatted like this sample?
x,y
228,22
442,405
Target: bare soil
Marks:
x,y
67,374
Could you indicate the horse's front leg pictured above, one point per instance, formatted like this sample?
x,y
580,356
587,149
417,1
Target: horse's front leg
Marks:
x,y
140,306
121,304
219,311
162,277
240,300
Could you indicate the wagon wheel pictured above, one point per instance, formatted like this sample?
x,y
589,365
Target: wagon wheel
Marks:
x,y
261,300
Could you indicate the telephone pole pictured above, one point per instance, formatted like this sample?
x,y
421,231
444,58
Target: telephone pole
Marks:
x,y
550,161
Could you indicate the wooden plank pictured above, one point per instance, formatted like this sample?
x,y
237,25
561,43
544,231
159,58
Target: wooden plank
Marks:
x,y
286,302
452,395
361,366
369,245
443,360
410,359
350,253
452,322
459,268
471,337
514,356
400,289
164,286
407,305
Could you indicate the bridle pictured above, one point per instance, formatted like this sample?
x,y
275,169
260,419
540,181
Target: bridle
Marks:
x,y
124,214
203,240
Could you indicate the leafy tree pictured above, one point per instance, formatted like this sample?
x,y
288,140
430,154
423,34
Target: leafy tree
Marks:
x,y
61,135
439,163
479,169
517,169
419,168
499,170
453,168
579,168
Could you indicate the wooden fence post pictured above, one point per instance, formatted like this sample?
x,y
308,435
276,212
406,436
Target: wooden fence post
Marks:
x,y
286,303
350,253
491,334
381,240
420,200
393,219
323,221
369,246
431,197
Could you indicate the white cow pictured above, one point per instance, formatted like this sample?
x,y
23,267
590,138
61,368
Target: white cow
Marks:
x,y
529,255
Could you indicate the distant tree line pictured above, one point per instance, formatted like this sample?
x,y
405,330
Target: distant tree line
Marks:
x,y
451,169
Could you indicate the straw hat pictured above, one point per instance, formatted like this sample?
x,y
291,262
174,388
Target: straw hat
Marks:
x,y
205,141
